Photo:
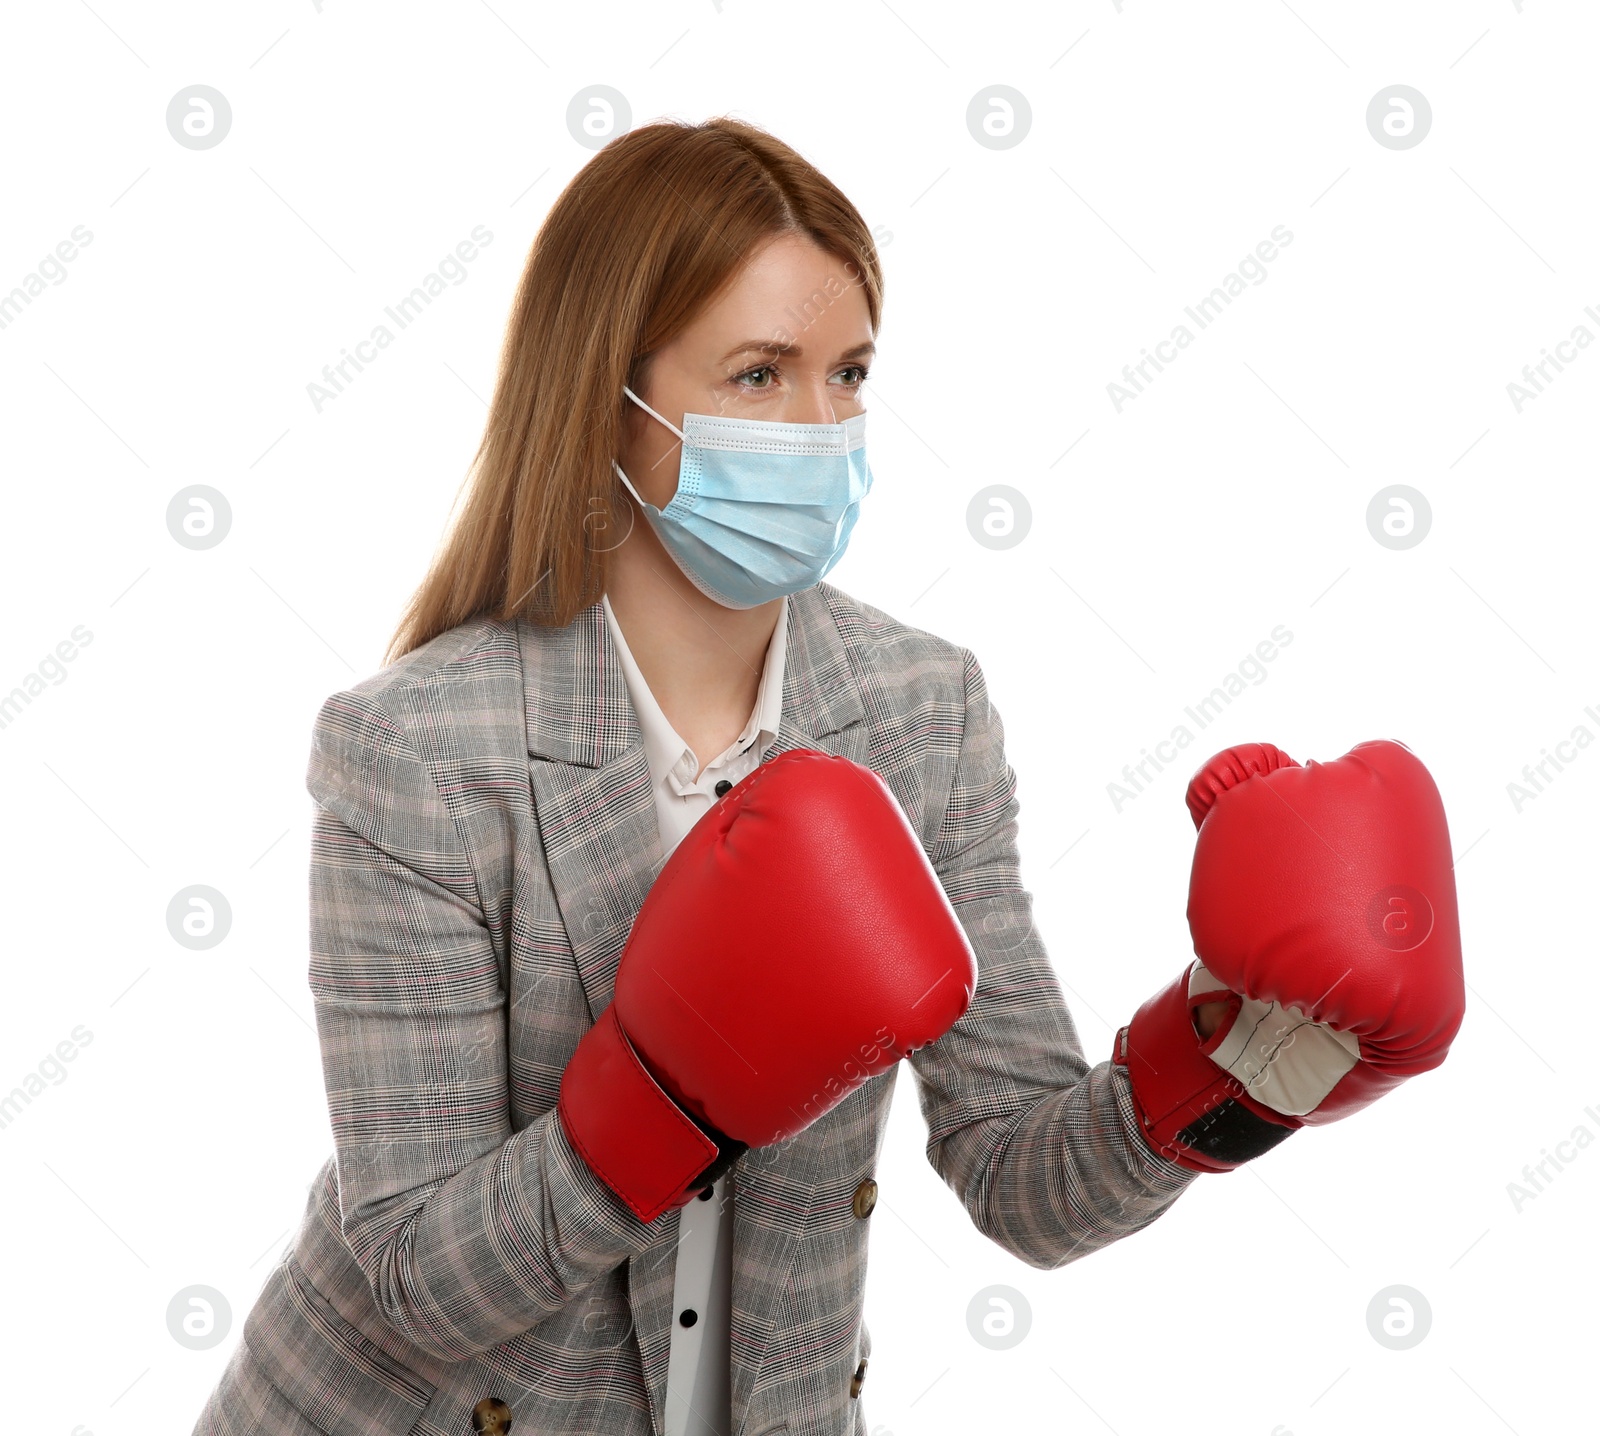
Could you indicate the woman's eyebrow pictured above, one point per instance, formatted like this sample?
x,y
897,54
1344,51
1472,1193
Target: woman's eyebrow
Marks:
x,y
771,346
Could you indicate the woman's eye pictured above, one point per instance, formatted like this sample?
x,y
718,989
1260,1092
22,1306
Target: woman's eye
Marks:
x,y
766,372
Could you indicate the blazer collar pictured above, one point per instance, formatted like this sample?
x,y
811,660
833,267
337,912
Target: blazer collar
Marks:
x,y
577,697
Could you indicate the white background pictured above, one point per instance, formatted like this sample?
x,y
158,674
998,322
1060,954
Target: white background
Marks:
x,y
1166,141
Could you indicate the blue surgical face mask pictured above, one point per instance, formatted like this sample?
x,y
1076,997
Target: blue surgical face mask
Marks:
x,y
763,509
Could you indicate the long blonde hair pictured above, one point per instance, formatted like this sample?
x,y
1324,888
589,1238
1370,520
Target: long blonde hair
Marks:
x,y
641,239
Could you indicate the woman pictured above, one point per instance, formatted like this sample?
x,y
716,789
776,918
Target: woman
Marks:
x,y
626,620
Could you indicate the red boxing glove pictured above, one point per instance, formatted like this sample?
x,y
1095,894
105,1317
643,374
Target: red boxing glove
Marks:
x,y
1323,908
796,943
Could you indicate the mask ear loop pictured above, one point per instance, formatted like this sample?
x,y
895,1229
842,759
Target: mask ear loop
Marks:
x,y
682,438
618,467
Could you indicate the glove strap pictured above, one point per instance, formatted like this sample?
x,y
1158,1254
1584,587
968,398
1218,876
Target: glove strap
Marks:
x,y
634,1137
1190,1110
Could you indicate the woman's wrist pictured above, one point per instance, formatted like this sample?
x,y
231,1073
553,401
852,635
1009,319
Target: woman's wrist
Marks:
x,y
1208,1017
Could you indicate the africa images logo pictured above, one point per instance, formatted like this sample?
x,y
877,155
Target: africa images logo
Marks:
x,y
1400,917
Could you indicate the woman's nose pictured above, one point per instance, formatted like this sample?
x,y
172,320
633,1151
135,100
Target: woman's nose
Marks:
x,y
819,402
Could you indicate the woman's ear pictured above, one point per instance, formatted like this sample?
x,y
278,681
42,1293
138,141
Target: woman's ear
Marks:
x,y
633,419
636,422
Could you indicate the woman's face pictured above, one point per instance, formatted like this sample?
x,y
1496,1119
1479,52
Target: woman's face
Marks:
x,y
789,340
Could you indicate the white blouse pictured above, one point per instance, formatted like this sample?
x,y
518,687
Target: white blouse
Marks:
x,y
698,1398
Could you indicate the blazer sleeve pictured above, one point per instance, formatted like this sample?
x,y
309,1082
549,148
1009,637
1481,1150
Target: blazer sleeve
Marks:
x,y
1043,1150
468,1233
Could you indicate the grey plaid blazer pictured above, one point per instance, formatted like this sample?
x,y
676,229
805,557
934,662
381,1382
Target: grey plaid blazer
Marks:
x,y
485,834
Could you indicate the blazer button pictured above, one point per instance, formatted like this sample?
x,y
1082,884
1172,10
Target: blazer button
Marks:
x,y
858,1378
865,1199
491,1417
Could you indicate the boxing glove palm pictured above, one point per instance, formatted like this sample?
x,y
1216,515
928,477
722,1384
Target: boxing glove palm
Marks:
x,y
796,943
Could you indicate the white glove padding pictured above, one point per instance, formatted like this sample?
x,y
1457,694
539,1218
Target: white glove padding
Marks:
x,y
1283,1059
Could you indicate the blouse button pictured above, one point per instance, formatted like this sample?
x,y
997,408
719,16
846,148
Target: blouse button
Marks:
x,y
722,786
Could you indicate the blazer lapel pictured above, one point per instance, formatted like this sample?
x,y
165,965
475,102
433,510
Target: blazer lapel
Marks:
x,y
595,813
591,791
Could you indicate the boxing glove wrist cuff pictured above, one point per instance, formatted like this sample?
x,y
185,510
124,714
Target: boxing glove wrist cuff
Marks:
x,y
634,1137
1190,1110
